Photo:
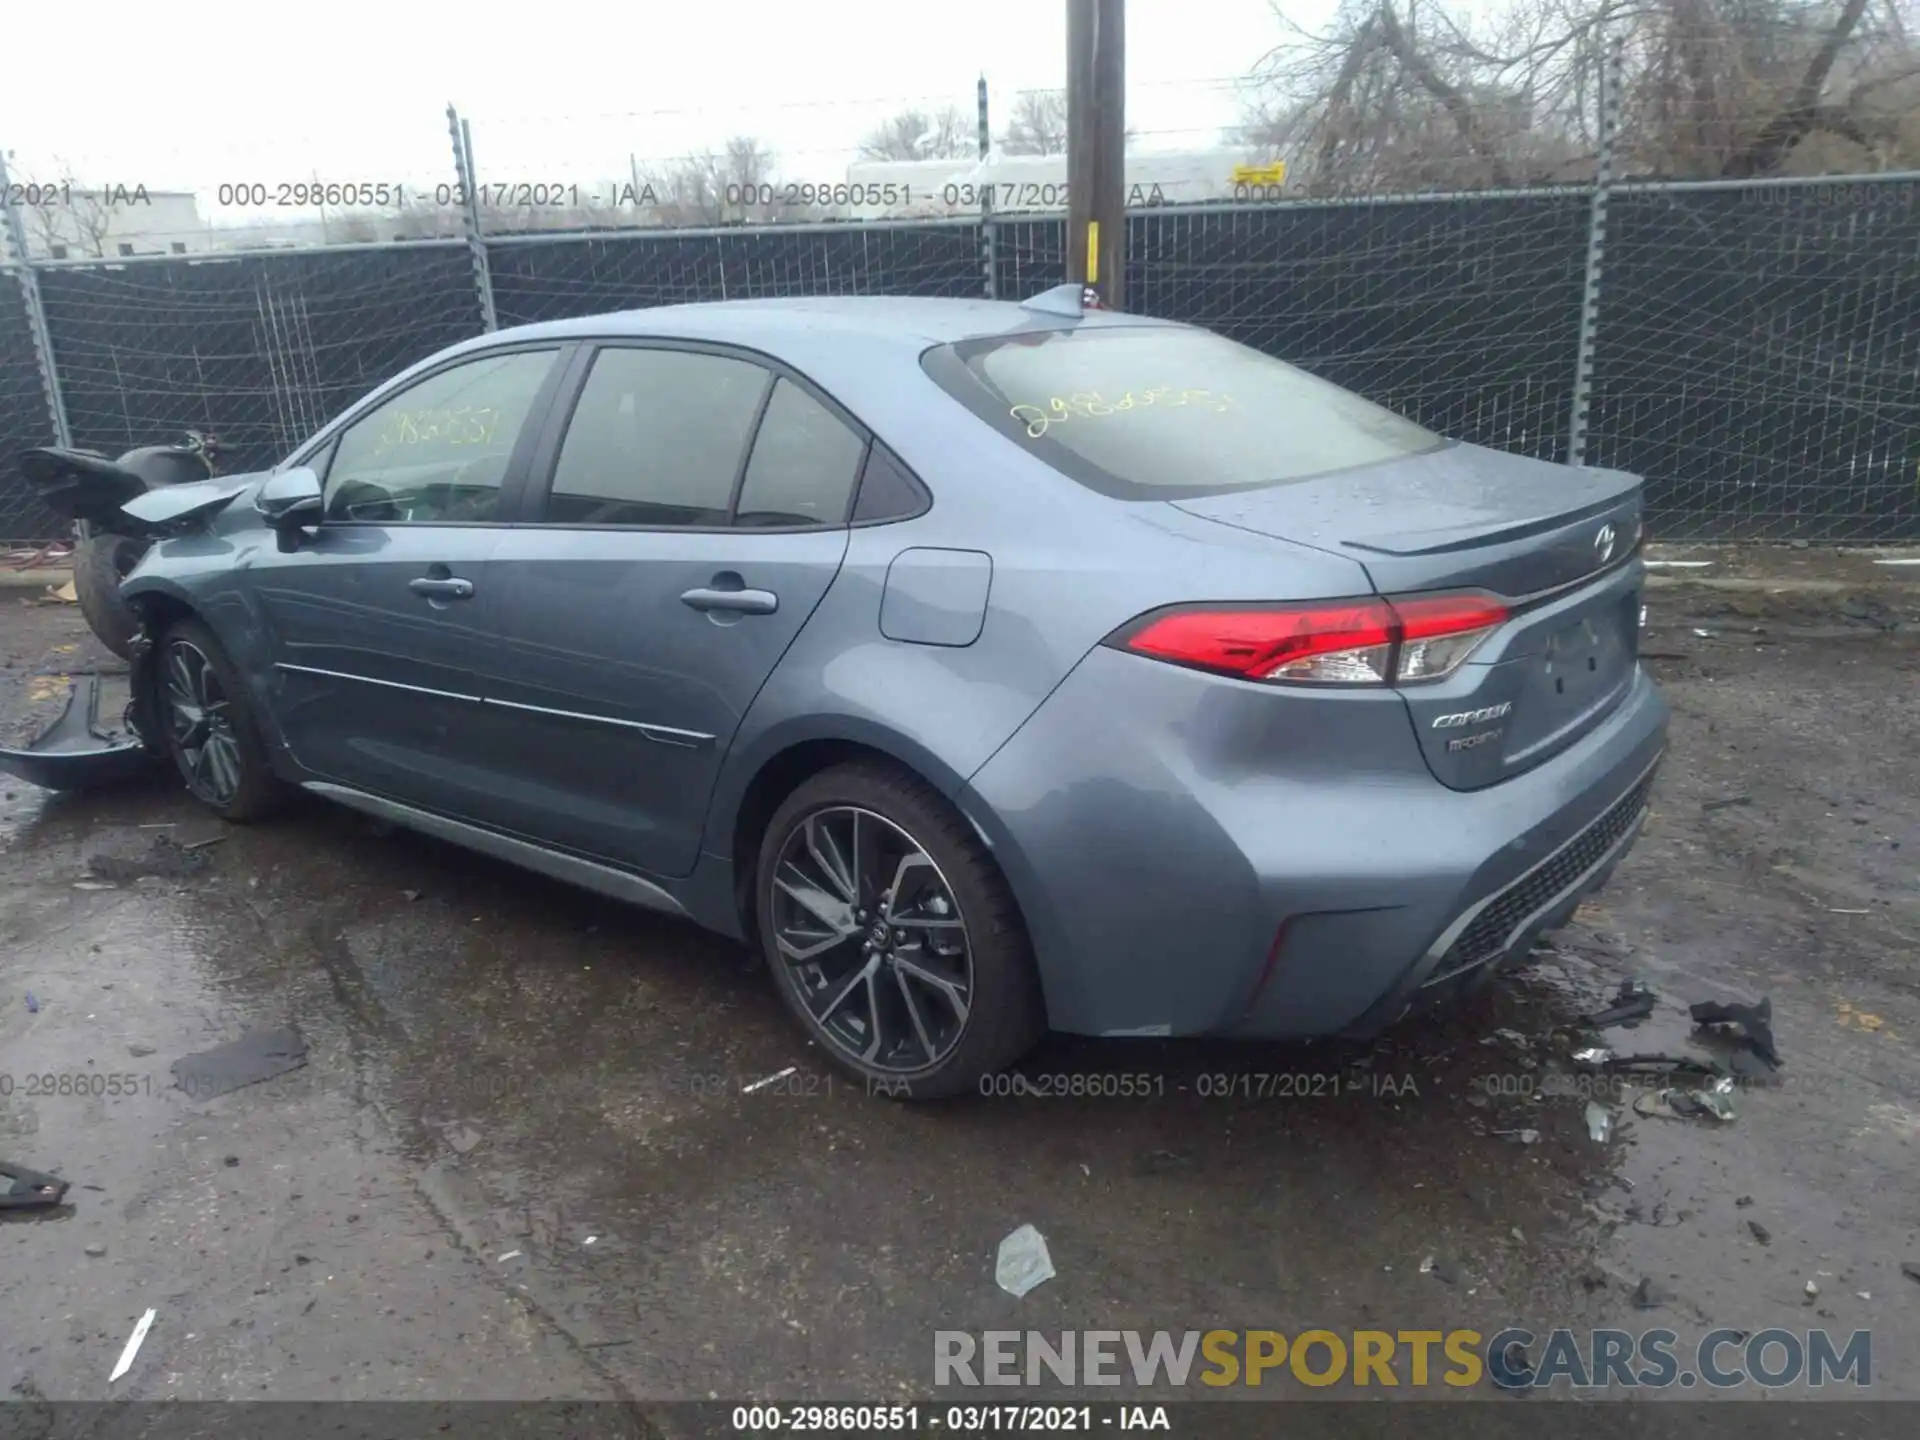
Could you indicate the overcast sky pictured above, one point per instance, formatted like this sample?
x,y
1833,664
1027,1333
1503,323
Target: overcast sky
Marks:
x,y
193,93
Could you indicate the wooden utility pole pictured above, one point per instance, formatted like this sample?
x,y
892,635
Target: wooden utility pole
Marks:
x,y
1096,148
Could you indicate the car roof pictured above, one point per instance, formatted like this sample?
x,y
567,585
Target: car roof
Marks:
x,y
915,322
855,347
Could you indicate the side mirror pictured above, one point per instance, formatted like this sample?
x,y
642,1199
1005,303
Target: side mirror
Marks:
x,y
291,499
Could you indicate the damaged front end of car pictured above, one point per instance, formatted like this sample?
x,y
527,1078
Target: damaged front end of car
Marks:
x,y
107,727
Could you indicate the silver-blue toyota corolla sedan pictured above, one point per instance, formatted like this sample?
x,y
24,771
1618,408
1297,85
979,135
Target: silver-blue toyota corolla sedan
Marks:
x,y
989,667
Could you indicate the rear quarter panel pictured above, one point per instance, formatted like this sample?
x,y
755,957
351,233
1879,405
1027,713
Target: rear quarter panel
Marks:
x,y
1068,567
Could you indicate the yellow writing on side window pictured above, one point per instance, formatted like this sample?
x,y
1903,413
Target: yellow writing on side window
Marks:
x,y
460,425
1092,405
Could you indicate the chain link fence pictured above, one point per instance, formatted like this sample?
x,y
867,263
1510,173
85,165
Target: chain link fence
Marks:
x,y
1758,358
542,278
1753,347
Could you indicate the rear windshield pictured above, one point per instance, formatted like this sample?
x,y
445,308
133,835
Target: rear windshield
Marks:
x,y
1152,413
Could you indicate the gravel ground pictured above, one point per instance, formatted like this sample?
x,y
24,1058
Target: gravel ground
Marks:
x,y
521,1160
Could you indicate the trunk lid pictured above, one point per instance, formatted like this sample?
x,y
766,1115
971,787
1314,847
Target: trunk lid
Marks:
x,y
1557,543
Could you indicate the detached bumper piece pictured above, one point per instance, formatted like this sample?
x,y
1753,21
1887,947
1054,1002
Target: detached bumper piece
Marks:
x,y
91,743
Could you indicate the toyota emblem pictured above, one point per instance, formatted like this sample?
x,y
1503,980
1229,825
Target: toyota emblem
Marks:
x,y
1603,543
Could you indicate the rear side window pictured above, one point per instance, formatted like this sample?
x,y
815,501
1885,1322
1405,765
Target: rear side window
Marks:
x,y
888,490
1150,413
804,463
657,438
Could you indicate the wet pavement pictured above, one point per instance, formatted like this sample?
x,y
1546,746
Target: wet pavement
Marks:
x,y
525,1158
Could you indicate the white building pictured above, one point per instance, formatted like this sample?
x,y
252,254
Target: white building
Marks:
x,y
66,222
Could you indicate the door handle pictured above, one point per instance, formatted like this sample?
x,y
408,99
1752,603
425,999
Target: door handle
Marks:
x,y
744,602
448,589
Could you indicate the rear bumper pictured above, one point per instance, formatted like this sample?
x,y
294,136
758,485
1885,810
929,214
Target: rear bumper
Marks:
x,y
1499,929
1195,856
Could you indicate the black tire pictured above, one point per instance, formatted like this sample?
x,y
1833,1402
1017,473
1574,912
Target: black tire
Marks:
x,y
228,771
1004,1012
100,562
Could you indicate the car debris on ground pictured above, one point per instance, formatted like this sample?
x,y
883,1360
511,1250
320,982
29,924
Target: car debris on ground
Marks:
x,y
258,1055
133,1347
767,1080
22,1189
1664,1065
1713,1101
1632,1003
1515,1370
1756,1021
1023,1262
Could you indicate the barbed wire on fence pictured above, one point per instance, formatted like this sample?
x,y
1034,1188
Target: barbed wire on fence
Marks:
x,y
1754,359
1752,337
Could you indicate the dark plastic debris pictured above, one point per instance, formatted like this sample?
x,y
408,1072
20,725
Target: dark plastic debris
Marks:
x,y
1512,1367
1755,1020
1633,1003
1665,1065
1910,1269
21,1188
258,1055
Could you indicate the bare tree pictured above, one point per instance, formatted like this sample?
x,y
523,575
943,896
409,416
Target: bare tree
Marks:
x,y
916,134
66,216
1455,94
734,185
1038,125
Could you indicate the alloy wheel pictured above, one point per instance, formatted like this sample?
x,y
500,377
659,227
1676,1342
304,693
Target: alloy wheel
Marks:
x,y
873,939
201,720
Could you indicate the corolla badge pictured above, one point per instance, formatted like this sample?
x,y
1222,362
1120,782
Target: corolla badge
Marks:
x,y
1472,717
1603,542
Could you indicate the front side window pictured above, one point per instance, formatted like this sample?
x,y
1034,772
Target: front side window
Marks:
x,y
437,453
657,438
1158,412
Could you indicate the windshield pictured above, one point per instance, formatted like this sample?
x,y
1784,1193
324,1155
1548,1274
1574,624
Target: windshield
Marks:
x,y
1150,413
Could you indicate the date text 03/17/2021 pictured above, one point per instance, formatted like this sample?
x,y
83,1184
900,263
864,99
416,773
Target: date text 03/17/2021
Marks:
x,y
957,1420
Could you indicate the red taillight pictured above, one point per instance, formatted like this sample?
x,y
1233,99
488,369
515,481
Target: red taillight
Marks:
x,y
1346,642
1256,643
